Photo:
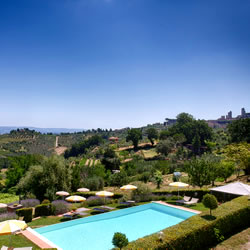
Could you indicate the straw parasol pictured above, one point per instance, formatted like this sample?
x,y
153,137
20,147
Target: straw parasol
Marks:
x,y
104,194
178,185
82,190
62,193
3,205
128,187
75,198
11,227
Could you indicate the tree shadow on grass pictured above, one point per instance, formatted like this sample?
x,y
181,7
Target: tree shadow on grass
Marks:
x,y
208,217
121,206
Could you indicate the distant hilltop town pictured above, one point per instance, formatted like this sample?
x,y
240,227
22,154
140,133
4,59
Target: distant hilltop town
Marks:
x,y
222,122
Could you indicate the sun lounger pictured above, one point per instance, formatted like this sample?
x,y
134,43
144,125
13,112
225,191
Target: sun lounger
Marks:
x,y
193,201
108,208
101,210
185,199
23,248
128,203
18,248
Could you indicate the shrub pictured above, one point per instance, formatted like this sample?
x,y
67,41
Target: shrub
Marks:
x,y
94,183
145,177
92,193
8,216
118,179
30,202
26,213
43,210
59,207
96,201
45,201
210,202
120,240
230,216
3,210
142,193
197,193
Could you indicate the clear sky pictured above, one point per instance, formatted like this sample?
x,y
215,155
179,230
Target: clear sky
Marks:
x,y
122,63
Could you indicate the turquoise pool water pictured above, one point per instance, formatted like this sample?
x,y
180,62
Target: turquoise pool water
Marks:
x,y
96,232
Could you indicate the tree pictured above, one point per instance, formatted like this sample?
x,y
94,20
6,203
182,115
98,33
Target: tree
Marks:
x,y
110,159
120,240
191,128
81,148
198,172
134,135
152,134
18,166
46,179
210,202
196,143
158,178
165,147
226,169
213,164
164,134
239,130
240,154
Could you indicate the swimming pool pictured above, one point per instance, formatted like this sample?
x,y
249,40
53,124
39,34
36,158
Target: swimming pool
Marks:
x,y
96,232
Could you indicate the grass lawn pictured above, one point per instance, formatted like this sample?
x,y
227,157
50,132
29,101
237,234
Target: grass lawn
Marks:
x,y
199,206
150,153
239,241
17,241
45,221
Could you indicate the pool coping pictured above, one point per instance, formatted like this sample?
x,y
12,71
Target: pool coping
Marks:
x,y
43,242
38,239
178,207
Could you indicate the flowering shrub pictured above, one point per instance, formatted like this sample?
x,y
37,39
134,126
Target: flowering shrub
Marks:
x,y
97,201
8,216
3,210
30,202
60,207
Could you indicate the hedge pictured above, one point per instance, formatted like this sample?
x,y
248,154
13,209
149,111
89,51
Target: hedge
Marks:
x,y
92,193
43,210
26,213
198,193
197,232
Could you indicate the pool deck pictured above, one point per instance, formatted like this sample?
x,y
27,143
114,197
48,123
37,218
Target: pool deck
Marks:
x,y
179,207
38,239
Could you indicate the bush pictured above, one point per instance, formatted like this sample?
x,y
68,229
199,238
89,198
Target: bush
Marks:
x,y
96,201
120,240
45,201
142,193
94,183
89,194
199,229
30,202
197,193
43,210
3,210
118,179
59,207
210,202
26,213
145,177
8,216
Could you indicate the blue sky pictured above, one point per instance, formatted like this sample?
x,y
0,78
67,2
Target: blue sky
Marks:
x,y
120,63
